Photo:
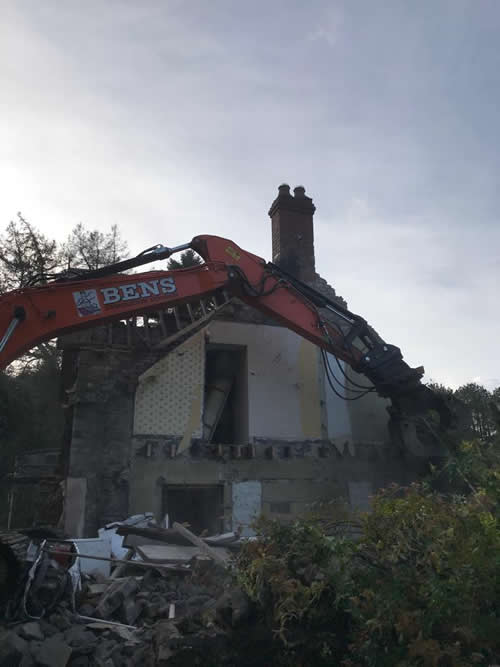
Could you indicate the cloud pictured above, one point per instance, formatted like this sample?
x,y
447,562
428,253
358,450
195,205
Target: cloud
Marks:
x,y
173,119
328,27
423,289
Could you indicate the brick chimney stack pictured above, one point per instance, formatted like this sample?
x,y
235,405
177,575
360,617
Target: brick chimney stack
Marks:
x,y
292,229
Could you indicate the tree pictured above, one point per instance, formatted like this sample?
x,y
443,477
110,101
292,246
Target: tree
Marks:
x,y
91,249
476,409
440,389
31,415
26,255
478,399
188,258
495,408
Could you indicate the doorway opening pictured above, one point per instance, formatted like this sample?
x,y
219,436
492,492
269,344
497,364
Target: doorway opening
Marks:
x,y
225,413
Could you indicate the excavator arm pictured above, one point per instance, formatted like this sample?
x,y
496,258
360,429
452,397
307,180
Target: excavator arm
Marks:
x,y
35,314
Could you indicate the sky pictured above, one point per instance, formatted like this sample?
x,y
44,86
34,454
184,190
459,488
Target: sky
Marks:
x,y
173,118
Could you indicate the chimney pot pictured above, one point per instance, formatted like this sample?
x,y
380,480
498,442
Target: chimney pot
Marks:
x,y
284,189
299,191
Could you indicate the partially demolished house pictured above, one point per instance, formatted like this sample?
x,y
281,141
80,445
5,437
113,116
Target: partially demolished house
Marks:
x,y
214,421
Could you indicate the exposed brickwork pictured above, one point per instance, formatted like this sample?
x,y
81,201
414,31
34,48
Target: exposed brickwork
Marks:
x,y
293,238
321,286
293,233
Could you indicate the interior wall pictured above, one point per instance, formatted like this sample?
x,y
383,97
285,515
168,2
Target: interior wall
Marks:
x,y
241,399
169,397
287,389
368,416
360,421
283,389
339,421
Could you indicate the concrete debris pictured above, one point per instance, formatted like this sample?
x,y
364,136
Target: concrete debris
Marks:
x,y
96,548
14,650
131,610
176,615
97,589
118,629
221,540
53,652
110,532
115,596
31,631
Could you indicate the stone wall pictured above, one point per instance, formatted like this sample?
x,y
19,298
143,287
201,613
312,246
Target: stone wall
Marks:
x,y
98,458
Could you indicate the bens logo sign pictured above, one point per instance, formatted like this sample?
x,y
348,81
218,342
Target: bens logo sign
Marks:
x,y
88,302
138,290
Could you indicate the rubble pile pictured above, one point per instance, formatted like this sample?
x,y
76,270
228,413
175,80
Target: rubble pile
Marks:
x,y
174,614
126,622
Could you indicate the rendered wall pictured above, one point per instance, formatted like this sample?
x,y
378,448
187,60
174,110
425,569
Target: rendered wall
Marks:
x,y
288,398
339,421
290,484
287,390
368,416
283,380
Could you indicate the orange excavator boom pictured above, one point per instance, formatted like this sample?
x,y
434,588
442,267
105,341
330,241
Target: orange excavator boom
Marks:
x,y
34,314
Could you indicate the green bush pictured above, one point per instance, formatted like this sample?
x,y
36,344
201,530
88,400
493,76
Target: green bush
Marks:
x,y
297,577
431,593
420,587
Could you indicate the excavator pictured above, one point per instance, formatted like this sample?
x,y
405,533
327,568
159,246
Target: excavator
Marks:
x,y
56,305
49,308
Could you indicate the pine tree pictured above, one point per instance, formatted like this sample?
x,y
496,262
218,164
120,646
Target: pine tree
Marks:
x,y
188,258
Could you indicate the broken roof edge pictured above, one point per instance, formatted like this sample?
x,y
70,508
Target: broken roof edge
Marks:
x,y
325,289
238,311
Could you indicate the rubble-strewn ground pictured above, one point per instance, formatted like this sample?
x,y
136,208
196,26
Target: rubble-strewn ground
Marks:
x,y
170,598
417,586
132,624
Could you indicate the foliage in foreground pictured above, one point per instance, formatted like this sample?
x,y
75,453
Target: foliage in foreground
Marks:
x,y
420,587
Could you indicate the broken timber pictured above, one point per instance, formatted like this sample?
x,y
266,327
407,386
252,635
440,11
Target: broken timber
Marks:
x,y
121,566
171,536
154,533
198,542
118,561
